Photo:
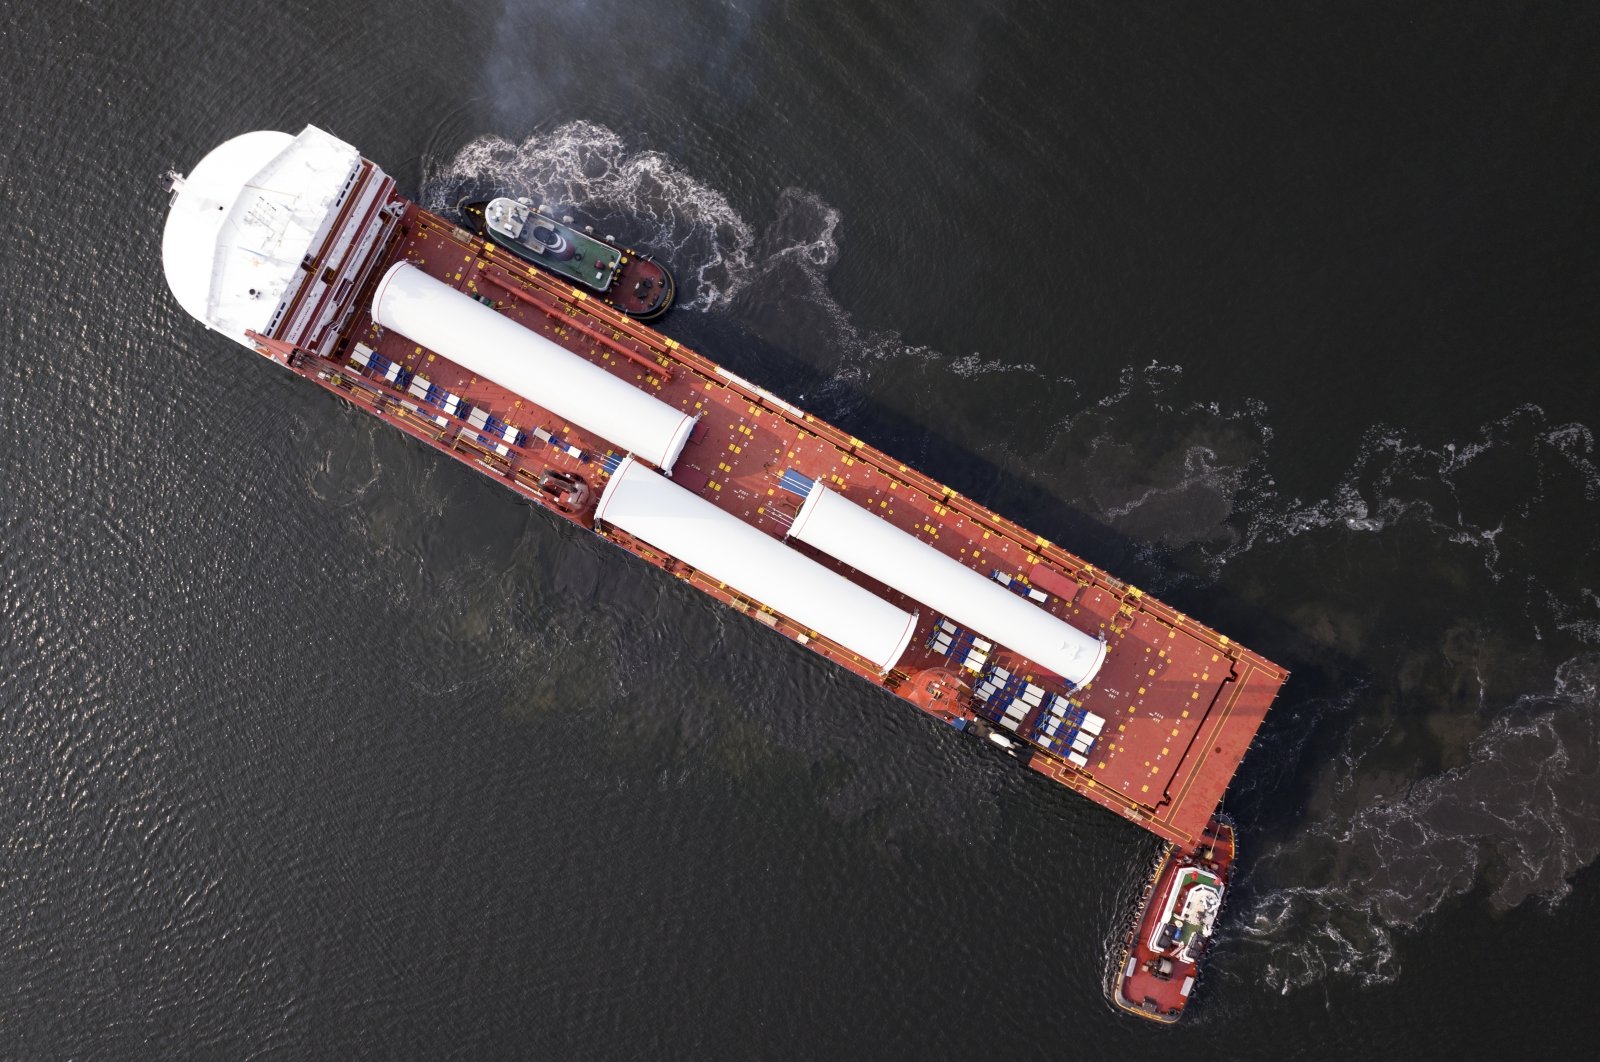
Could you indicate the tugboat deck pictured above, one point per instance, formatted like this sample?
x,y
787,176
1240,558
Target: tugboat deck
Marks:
x,y
1139,985
1180,703
588,251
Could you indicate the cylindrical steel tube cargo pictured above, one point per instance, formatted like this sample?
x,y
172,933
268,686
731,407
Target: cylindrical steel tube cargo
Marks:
x,y
686,526
456,326
878,549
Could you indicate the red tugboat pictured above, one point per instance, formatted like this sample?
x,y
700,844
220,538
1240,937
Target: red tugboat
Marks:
x,y
1161,954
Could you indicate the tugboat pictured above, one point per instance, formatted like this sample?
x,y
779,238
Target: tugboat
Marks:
x,y
636,284
1161,955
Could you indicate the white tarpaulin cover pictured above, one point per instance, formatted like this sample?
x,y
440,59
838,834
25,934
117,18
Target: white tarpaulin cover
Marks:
x,y
486,343
876,548
686,526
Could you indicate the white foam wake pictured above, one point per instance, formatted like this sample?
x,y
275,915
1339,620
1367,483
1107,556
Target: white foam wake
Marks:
x,y
723,262
1518,818
643,196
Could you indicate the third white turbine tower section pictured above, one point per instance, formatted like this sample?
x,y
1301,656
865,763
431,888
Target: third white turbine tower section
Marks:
x,y
876,548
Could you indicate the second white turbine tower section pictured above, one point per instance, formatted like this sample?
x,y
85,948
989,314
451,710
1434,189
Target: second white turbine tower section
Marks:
x,y
685,526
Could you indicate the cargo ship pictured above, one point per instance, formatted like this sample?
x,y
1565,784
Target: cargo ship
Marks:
x,y
304,252
1178,913
636,284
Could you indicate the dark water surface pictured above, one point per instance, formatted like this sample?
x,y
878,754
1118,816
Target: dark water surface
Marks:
x,y
314,745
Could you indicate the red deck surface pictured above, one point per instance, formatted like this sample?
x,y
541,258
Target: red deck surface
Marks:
x,y
1182,702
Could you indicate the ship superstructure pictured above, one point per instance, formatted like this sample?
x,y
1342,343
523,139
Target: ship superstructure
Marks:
x,y
301,250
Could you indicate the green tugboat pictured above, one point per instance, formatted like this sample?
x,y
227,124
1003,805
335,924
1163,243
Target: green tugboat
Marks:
x,y
636,284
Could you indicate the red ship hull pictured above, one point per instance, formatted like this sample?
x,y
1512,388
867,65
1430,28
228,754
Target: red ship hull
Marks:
x,y
1180,703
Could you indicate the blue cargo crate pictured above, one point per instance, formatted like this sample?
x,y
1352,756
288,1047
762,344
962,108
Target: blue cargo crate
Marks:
x,y
795,483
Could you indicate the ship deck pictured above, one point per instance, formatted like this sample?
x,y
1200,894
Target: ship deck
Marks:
x,y
1181,703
